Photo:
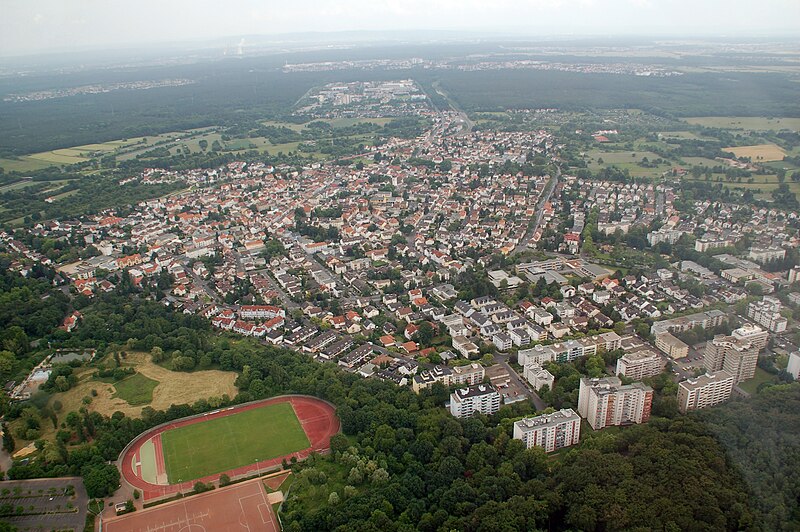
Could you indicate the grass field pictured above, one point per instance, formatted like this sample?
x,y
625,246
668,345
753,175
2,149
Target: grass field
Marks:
x,y
225,443
760,152
136,389
746,122
751,385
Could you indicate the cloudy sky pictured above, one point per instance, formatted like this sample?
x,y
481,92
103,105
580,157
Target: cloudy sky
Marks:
x,y
31,26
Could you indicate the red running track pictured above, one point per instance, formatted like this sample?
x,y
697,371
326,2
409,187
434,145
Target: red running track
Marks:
x,y
317,417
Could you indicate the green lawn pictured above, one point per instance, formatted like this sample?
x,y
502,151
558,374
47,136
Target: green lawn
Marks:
x,y
751,385
225,443
136,389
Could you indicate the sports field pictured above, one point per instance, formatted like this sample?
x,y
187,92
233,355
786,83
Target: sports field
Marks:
x,y
225,443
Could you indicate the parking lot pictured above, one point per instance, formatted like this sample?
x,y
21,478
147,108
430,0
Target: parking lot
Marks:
x,y
44,504
685,368
507,384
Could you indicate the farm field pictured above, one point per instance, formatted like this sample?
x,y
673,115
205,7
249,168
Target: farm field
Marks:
x,y
629,160
761,152
746,122
225,443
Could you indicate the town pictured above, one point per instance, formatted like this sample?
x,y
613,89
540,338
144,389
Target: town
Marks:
x,y
464,257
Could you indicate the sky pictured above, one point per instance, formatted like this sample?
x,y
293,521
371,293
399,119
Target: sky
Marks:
x,y
36,26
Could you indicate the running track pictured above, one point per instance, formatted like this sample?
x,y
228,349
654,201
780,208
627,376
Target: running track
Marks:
x,y
317,417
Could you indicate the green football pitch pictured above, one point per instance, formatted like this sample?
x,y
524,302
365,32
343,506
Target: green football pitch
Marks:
x,y
221,444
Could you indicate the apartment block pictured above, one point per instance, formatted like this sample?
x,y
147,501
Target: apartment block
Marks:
x,y
480,398
467,375
704,391
753,334
794,365
706,320
606,402
767,313
549,431
640,364
537,376
737,357
672,346
570,350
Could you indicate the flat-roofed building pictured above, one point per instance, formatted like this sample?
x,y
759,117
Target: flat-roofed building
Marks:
x,y
753,334
737,357
672,346
537,376
549,431
480,398
640,364
793,368
467,375
606,402
704,391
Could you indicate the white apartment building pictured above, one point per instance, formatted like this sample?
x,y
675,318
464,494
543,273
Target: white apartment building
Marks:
x,y
732,355
480,398
707,390
606,402
767,313
794,365
549,431
537,376
640,364
467,375
753,334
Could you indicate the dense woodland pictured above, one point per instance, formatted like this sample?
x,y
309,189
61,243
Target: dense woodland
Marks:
x,y
222,90
416,467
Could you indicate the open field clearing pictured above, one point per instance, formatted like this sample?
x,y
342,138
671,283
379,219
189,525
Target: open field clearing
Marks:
x,y
746,122
760,152
136,389
172,387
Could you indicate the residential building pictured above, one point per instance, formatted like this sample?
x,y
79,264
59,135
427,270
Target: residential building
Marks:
x,y
426,378
549,431
753,334
538,376
480,398
767,313
672,346
735,356
467,375
706,320
794,365
707,390
606,402
794,274
640,364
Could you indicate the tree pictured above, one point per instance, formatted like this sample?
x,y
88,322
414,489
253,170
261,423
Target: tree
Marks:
x,y
8,440
157,354
425,333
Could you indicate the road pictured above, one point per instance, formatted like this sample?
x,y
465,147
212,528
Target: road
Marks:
x,y
284,297
502,360
546,195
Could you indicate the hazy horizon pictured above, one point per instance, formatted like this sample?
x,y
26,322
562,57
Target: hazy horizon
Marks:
x,y
47,26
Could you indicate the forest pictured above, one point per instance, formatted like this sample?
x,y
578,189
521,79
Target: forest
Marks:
x,y
417,468
227,92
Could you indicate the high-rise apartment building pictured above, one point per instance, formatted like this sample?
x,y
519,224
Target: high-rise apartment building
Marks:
x,y
549,431
480,398
707,390
605,402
